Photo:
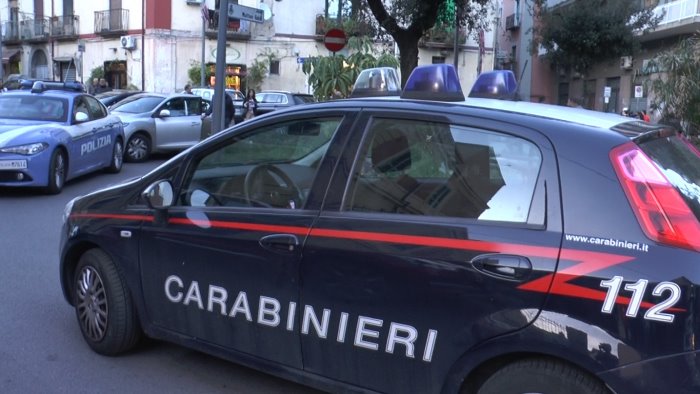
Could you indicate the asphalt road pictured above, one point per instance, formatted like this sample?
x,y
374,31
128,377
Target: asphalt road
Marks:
x,y
41,348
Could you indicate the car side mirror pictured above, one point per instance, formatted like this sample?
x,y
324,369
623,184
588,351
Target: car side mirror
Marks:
x,y
81,117
159,195
164,113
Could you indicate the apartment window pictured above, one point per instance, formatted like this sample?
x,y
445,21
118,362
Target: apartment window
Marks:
x,y
274,67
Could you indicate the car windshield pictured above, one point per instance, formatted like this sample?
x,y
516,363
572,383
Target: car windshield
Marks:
x,y
138,104
33,107
679,160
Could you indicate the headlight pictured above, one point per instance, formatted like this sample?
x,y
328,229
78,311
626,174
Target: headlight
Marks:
x,y
28,149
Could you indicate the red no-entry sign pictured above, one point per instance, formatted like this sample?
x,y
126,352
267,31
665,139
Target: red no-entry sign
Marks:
x,y
335,40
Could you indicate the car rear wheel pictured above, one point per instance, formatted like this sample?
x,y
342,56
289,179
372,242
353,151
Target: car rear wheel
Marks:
x,y
541,375
57,172
117,157
103,305
138,148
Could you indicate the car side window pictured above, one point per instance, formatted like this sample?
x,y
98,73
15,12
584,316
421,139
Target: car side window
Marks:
x,y
96,110
176,106
194,106
272,167
80,105
437,169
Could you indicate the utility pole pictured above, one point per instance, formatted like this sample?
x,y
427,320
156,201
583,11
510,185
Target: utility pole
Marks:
x,y
218,117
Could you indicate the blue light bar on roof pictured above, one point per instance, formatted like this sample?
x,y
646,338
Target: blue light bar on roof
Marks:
x,y
437,82
375,82
499,84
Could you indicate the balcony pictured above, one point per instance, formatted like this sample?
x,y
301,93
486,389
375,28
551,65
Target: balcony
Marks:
x,y
112,22
441,37
64,27
512,22
349,26
236,29
11,30
677,18
35,30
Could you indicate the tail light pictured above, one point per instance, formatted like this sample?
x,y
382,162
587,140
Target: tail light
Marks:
x,y
658,206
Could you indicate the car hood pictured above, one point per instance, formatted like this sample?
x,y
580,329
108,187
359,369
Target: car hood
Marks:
x,y
128,116
18,131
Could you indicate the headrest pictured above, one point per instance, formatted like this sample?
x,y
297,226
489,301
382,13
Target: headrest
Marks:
x,y
391,152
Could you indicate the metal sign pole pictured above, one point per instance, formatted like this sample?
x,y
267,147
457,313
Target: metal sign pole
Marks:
x,y
218,117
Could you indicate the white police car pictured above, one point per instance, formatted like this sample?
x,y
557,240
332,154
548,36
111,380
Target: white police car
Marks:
x,y
409,246
55,132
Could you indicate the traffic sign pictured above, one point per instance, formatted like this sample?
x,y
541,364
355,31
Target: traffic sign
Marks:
x,y
238,11
302,60
638,91
335,40
607,91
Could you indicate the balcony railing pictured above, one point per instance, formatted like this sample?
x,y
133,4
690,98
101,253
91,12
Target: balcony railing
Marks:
x,y
112,22
235,30
440,37
351,27
677,11
35,30
512,22
11,30
64,27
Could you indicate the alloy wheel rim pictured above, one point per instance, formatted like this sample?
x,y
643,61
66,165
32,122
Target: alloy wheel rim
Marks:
x,y
59,170
92,304
118,155
137,148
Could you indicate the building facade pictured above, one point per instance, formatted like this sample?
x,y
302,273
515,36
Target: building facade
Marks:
x,y
610,85
152,44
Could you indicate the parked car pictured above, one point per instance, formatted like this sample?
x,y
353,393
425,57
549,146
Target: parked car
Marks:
x,y
237,96
155,122
112,97
270,100
432,244
53,133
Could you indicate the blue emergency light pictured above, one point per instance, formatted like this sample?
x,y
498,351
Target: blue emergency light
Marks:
x,y
437,82
499,84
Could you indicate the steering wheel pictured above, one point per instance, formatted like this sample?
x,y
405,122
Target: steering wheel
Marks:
x,y
268,186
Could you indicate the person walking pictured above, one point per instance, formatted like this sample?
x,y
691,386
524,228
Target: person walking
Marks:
x,y
188,89
94,86
250,105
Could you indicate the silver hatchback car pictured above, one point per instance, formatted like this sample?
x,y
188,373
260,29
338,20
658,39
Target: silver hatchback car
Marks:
x,y
155,122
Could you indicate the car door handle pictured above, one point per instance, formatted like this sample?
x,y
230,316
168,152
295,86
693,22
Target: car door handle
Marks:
x,y
503,266
280,243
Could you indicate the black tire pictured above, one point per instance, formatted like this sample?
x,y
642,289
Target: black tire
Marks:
x,y
57,172
103,305
138,148
115,164
541,375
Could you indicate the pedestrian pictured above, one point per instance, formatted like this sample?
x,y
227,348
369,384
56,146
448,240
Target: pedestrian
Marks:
x,y
625,112
250,105
103,86
645,116
188,89
94,86
229,110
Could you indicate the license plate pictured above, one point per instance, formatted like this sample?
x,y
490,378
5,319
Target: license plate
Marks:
x,y
13,164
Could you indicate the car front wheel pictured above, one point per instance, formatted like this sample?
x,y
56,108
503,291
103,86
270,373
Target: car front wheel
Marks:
x,y
57,172
103,305
138,148
115,164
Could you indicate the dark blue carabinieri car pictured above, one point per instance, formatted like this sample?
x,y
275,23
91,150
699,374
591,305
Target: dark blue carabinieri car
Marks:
x,y
408,245
54,132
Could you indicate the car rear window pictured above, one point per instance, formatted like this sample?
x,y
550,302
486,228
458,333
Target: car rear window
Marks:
x,y
303,98
679,160
137,105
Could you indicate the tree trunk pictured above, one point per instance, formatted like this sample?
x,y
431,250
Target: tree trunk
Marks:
x,y
408,48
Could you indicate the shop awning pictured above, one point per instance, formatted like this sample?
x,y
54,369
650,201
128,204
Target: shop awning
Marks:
x,y
63,59
9,54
